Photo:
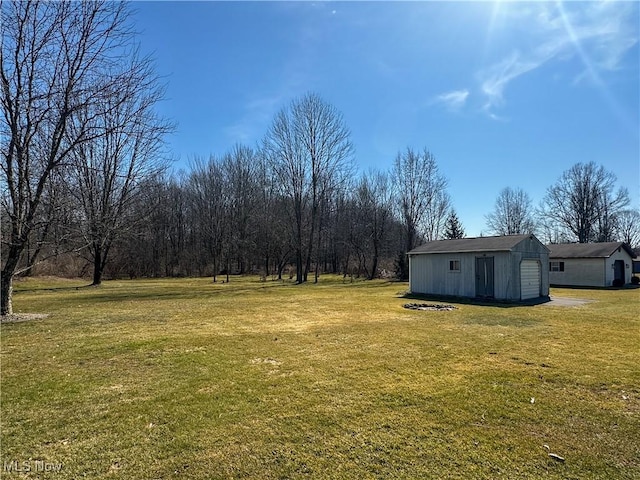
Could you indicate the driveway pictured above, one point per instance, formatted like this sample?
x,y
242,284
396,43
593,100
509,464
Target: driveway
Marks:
x,y
566,302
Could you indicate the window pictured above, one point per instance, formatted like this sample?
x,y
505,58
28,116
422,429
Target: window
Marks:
x,y
556,266
454,265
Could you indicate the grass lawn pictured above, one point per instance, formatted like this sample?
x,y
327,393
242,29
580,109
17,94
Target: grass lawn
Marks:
x,y
159,379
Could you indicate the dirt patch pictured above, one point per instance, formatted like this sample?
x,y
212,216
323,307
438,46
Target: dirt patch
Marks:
x,y
269,361
430,307
22,317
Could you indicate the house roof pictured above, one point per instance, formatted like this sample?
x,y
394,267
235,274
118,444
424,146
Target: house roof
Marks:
x,y
587,250
504,243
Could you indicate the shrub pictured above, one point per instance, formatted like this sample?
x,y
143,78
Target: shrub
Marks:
x,y
635,280
618,282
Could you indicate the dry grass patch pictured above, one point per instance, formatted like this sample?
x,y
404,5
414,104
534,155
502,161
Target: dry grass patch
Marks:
x,y
187,379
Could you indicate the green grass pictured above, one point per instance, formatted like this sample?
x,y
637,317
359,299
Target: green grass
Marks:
x,y
161,379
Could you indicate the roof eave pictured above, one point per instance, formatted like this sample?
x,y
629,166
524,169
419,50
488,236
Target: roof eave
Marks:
x,y
453,252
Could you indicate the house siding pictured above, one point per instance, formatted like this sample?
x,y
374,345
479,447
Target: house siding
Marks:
x,y
581,272
590,272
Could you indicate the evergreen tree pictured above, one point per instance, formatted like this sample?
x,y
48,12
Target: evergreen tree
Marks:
x,y
453,228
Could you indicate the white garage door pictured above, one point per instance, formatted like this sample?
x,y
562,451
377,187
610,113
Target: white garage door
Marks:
x,y
529,279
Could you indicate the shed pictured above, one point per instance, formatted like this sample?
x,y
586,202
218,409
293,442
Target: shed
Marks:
x,y
510,268
590,264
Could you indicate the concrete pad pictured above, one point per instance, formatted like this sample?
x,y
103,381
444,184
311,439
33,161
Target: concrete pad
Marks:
x,y
566,302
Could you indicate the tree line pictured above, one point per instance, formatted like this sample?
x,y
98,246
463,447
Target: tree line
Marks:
x,y
583,205
87,190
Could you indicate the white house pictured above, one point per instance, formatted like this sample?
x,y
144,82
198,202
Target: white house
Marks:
x,y
511,268
590,264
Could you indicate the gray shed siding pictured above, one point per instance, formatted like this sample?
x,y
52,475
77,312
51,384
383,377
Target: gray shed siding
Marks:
x,y
430,273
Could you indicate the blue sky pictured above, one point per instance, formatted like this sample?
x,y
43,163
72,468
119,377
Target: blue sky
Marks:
x,y
502,93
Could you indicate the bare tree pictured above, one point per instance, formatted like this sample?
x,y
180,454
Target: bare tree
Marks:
x,y
273,239
345,233
436,216
108,171
512,214
373,214
50,235
240,169
584,202
549,231
175,222
52,63
609,211
628,227
309,150
421,198
210,208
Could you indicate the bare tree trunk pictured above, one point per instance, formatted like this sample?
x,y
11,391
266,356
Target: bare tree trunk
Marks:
x,y
374,266
6,290
307,263
97,265
298,240
299,269
6,280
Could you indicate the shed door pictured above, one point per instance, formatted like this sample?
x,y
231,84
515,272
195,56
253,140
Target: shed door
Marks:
x,y
618,270
484,277
529,279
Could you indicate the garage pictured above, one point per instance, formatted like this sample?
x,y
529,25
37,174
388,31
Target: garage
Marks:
x,y
529,279
504,268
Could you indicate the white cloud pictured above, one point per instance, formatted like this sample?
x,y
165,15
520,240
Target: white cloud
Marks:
x,y
598,33
258,112
495,79
453,100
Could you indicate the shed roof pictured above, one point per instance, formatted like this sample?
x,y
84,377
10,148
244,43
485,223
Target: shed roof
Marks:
x,y
503,243
588,250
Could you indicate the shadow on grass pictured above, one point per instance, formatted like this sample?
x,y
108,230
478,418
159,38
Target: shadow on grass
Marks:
x,y
483,302
54,289
139,291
